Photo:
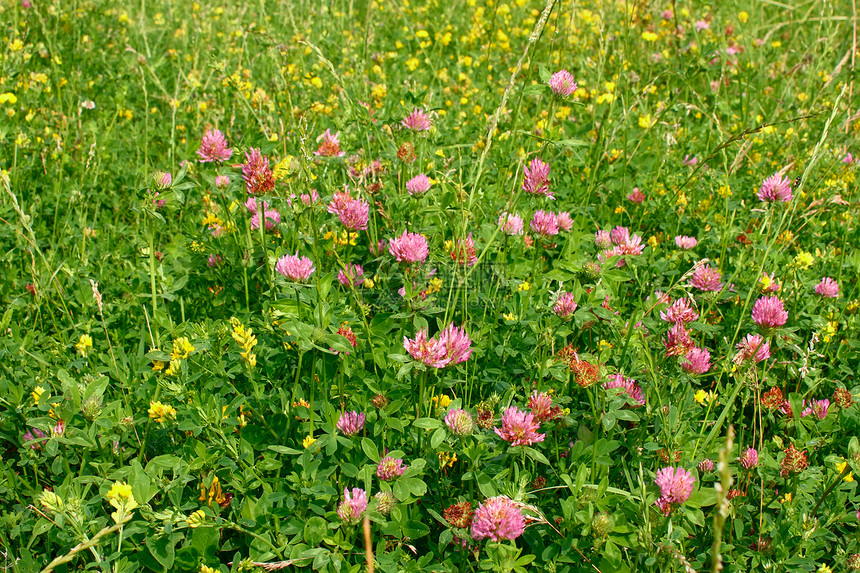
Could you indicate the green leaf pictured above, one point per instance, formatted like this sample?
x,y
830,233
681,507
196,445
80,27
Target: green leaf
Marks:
x,y
140,484
445,538
485,484
573,143
543,73
162,548
401,491
627,415
41,527
370,450
339,343
438,437
315,529
427,423
608,421
415,529
535,89
382,324
612,553
535,455
285,450
416,486
705,497
96,389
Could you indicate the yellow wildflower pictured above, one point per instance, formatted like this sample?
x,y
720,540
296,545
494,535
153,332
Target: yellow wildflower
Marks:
x,y
173,368
9,98
379,91
308,441
435,285
282,168
606,98
161,412
849,477
196,519
246,340
803,260
524,286
645,121
37,394
121,499
84,345
700,396
510,316
446,460
442,401
182,348
649,36
212,220
119,491
828,331
214,494
743,16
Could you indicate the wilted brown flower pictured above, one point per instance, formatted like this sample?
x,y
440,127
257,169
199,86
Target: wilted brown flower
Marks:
x,y
485,418
794,461
842,398
773,399
406,152
459,514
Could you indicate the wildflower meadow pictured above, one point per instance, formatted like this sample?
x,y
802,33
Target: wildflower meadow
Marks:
x,y
425,285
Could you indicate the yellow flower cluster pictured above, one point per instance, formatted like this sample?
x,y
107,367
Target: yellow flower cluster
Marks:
x,y
701,397
446,460
182,349
84,345
212,220
441,402
214,492
308,441
435,285
37,394
161,412
345,238
246,341
283,168
828,331
803,260
121,499
765,282
195,520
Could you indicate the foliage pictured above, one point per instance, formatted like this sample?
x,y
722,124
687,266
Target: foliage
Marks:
x,y
176,391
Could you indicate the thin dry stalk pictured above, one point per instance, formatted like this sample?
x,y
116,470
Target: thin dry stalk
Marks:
x,y
722,487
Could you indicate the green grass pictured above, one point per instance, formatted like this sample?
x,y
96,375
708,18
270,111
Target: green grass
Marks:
x,y
206,362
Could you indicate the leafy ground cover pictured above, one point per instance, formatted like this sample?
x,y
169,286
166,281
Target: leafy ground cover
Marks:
x,y
429,286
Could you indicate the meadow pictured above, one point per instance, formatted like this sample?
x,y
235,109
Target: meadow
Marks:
x,y
485,285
